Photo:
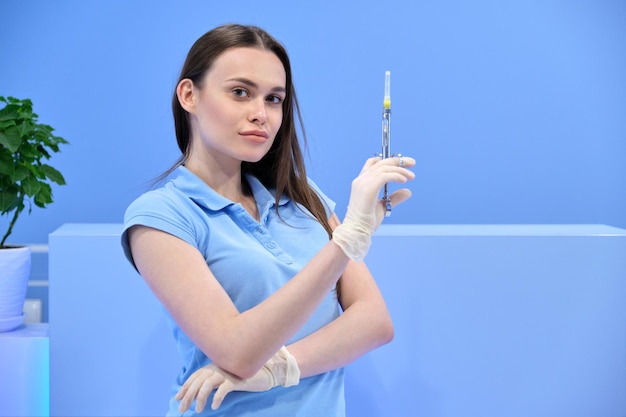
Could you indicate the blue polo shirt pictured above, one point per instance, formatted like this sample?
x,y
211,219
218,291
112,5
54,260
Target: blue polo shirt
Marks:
x,y
251,259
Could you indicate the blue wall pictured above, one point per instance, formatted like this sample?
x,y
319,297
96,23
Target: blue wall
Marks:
x,y
515,110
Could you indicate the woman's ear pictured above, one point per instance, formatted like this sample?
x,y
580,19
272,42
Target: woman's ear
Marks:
x,y
186,95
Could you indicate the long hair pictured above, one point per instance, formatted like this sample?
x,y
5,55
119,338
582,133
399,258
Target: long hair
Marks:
x,y
282,168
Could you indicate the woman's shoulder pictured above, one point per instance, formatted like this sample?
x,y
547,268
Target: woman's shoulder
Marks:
x,y
152,200
171,194
165,202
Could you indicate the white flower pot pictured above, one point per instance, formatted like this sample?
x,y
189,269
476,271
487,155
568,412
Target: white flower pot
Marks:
x,y
14,275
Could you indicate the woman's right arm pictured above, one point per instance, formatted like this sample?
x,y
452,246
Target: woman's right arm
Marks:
x,y
237,342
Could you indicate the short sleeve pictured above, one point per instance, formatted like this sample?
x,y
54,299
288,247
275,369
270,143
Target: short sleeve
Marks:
x,y
156,210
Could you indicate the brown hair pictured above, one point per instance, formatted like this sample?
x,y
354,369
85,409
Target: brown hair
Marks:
x,y
282,168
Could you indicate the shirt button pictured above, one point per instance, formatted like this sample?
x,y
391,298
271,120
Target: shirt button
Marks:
x,y
271,245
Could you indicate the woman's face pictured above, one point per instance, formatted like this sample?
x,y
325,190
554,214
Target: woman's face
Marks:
x,y
238,109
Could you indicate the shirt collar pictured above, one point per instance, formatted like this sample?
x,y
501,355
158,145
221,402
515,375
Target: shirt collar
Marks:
x,y
262,195
197,190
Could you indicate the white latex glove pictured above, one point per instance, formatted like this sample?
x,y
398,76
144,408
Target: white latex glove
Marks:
x,y
365,210
280,369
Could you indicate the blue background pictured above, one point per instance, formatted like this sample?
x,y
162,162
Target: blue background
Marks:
x,y
515,110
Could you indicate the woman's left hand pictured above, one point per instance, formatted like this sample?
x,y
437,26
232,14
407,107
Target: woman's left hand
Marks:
x,y
202,382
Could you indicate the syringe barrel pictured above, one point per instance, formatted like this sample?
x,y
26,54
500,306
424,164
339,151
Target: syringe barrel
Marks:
x,y
386,133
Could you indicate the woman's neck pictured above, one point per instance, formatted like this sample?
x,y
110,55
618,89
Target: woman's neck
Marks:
x,y
229,184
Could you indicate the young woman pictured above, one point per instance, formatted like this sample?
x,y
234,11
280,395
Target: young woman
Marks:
x,y
264,287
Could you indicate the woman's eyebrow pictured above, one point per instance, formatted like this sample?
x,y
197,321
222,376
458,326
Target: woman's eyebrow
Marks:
x,y
252,84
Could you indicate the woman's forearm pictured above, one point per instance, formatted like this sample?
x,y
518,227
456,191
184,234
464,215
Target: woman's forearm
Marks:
x,y
360,329
280,316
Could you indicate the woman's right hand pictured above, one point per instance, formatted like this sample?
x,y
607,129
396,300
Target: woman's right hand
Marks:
x,y
281,369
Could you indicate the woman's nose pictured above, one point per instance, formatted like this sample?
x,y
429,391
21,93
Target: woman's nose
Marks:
x,y
258,112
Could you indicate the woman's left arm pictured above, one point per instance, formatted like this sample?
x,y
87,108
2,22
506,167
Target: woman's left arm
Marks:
x,y
364,325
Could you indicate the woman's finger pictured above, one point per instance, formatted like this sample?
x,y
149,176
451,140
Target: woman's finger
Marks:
x,y
205,390
395,164
370,182
183,390
400,161
370,162
200,381
221,392
400,196
190,394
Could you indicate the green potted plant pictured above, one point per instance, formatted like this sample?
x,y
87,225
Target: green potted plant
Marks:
x,y
24,180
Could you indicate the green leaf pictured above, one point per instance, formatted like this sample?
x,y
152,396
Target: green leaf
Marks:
x,y
29,151
20,173
27,130
44,153
44,195
31,186
11,138
8,200
9,113
53,174
7,165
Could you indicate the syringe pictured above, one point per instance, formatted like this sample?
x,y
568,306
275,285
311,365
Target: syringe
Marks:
x,y
387,135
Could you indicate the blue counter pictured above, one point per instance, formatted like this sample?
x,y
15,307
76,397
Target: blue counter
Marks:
x,y
24,371
490,321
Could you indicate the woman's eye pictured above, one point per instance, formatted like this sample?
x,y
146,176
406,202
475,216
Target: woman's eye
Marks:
x,y
275,99
240,92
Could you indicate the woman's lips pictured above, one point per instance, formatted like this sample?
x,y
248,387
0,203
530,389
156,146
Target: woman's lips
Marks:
x,y
259,136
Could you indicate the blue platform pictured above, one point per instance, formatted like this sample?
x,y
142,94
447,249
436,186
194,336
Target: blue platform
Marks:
x,y
25,371
491,321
